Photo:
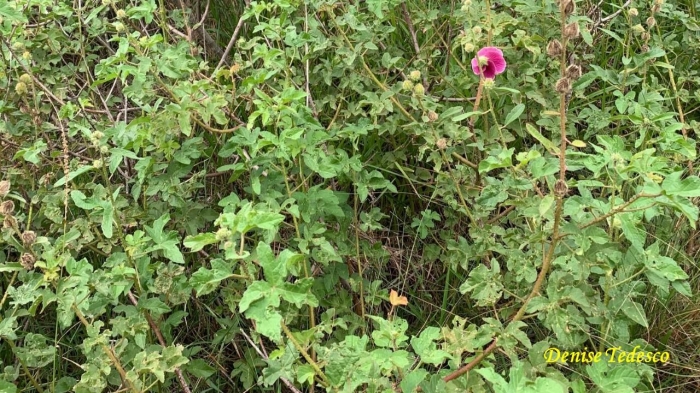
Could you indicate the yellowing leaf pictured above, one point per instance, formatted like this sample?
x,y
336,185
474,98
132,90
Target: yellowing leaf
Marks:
x,y
397,300
578,143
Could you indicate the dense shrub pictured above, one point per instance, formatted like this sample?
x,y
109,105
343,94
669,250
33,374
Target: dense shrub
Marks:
x,y
348,196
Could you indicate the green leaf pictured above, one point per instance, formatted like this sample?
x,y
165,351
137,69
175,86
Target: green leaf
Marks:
x,y
72,175
205,280
635,312
199,368
549,145
514,114
199,241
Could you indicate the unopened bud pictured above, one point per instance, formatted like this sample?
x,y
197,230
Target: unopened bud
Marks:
x,y
407,85
638,29
651,22
476,30
414,75
432,116
418,90
26,55
633,12
489,83
21,88
25,78
441,143
121,14
469,47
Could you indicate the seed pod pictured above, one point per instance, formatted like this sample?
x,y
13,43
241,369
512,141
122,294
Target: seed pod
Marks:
x,y
567,7
560,188
4,188
572,30
573,72
27,261
563,85
554,48
9,222
7,208
28,238
651,22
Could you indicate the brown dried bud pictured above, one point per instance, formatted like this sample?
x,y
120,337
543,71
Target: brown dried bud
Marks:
x,y
572,30
646,36
563,85
554,48
573,72
560,188
441,143
4,188
7,208
9,222
655,8
27,261
28,238
651,22
567,7
432,116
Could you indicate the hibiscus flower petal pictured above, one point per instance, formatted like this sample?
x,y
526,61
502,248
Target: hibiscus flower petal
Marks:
x,y
475,66
489,70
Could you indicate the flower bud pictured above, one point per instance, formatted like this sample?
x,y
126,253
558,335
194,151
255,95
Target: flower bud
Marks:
x,y
97,164
476,30
28,238
104,149
563,85
407,85
554,48
572,30
469,47
414,75
21,88
432,116
489,83
573,71
18,46
121,14
119,26
223,234
27,261
441,143
646,36
651,22
25,78
655,8
633,12
418,90
26,55
4,188
638,29
7,208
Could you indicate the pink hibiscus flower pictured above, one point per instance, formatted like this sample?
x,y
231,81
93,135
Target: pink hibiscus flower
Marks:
x,y
490,61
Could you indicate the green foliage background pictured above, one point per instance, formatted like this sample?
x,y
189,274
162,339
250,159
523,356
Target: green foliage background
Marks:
x,y
221,196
